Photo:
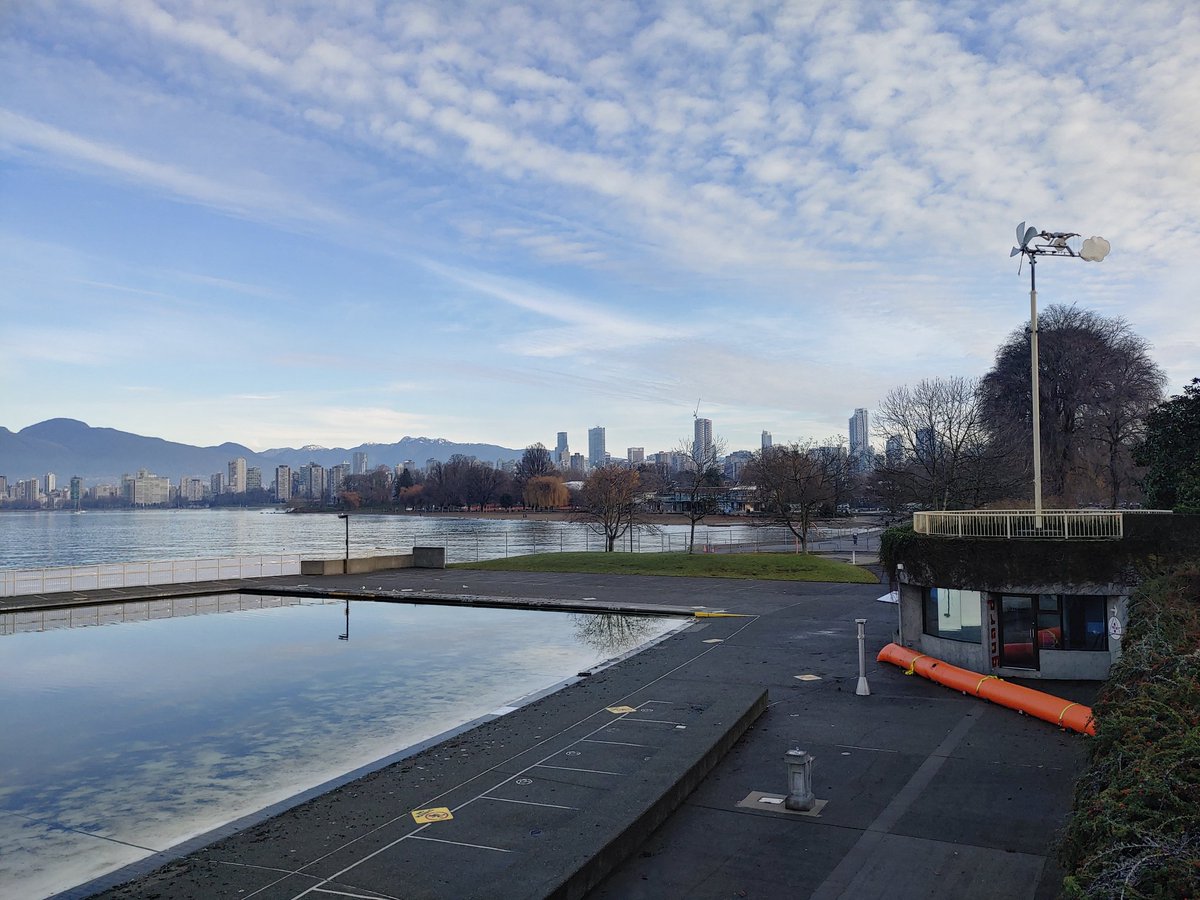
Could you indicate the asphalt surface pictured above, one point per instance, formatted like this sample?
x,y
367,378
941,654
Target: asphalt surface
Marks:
x,y
642,779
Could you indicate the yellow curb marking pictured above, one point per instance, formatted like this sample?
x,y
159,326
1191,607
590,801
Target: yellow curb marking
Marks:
x,y
620,710
433,814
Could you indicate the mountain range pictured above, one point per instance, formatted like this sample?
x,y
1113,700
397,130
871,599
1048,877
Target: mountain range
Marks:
x,y
68,447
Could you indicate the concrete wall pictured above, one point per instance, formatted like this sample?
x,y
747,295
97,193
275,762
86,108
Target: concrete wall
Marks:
x,y
420,558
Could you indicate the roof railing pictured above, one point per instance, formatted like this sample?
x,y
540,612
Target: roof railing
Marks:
x,y
1056,524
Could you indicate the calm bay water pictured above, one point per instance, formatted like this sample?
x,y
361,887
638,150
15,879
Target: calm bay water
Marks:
x,y
162,720
38,539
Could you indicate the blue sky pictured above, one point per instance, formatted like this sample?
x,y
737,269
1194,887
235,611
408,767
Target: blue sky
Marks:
x,y
336,222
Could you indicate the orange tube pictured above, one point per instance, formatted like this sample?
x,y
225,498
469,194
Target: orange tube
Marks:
x,y
1055,710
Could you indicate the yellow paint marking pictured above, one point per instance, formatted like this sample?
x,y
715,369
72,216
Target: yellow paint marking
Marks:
x,y
433,814
718,615
620,710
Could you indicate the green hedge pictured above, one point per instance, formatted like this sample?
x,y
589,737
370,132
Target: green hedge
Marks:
x,y
1134,830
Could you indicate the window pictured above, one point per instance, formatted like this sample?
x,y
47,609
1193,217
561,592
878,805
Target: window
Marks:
x,y
953,614
1071,622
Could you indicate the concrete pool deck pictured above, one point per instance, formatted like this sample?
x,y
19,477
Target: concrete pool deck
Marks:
x,y
928,793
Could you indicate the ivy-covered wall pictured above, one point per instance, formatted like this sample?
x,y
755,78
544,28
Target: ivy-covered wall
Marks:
x,y
1152,544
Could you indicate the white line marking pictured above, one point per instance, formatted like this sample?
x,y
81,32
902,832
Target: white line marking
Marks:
x,y
876,749
653,721
613,743
359,896
569,769
417,837
526,802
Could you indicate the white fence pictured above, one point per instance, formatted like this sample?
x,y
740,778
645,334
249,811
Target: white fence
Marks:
x,y
1056,524
17,582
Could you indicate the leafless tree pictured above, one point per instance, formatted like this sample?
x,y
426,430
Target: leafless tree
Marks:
x,y
1097,384
609,502
792,482
699,482
947,457
535,462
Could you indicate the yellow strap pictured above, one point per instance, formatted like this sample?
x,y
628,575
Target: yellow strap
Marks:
x,y
1064,712
982,680
911,665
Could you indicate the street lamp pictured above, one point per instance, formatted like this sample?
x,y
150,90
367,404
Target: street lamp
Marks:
x,y
346,562
1034,243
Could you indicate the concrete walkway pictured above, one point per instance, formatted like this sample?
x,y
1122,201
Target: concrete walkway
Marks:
x,y
641,780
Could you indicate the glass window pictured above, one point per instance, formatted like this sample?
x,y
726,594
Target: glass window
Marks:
x,y
1083,623
953,614
1049,622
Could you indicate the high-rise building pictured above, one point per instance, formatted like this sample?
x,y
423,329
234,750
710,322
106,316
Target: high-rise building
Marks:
x,y
360,462
894,450
702,445
926,444
312,477
76,489
596,452
253,478
766,440
635,455
49,483
237,476
283,483
337,479
860,441
216,484
576,462
191,489
146,489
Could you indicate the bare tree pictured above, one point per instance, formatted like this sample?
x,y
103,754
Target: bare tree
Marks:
x,y
699,482
947,458
609,502
1097,384
791,484
535,462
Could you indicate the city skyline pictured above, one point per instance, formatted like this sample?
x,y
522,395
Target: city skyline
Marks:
x,y
335,225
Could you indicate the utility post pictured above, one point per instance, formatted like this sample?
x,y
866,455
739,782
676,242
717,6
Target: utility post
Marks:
x,y
346,561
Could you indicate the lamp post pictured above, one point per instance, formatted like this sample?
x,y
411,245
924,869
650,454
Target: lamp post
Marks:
x,y
346,561
1047,243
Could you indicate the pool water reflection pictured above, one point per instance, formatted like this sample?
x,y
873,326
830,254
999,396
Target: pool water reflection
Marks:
x,y
132,737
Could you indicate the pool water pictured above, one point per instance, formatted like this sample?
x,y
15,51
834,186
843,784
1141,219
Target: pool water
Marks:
x,y
163,722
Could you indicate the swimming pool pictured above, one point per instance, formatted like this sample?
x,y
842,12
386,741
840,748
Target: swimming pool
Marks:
x,y
129,728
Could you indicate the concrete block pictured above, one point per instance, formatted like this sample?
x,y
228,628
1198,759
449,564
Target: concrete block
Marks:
x,y
429,557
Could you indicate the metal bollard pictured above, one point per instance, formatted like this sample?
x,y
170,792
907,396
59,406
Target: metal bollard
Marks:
x,y
863,690
799,774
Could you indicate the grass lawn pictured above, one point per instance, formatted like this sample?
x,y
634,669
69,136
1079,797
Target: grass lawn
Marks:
x,y
770,566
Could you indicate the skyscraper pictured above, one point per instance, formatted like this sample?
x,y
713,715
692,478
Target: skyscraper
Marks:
x,y
636,455
766,440
562,453
360,462
596,447
237,476
702,444
860,442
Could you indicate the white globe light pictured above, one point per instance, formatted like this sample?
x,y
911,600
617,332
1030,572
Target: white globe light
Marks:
x,y
1095,249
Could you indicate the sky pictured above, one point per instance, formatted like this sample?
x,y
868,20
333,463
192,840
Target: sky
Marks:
x,y
342,222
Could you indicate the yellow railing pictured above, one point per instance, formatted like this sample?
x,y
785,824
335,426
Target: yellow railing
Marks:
x,y
1056,524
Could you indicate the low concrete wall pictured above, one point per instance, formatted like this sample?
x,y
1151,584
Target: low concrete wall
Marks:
x,y
420,558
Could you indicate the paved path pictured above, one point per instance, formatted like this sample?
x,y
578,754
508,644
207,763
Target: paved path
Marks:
x,y
929,793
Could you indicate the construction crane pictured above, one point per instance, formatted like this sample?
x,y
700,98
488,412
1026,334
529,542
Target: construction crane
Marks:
x,y
696,412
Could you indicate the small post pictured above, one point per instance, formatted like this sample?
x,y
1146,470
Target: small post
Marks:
x,y
346,561
863,690
800,796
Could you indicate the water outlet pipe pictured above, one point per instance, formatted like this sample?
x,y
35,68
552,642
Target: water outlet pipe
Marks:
x,y
1038,704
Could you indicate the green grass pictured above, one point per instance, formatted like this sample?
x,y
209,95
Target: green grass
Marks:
x,y
769,566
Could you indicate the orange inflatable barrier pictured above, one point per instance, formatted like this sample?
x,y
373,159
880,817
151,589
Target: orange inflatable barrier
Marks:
x,y
1055,710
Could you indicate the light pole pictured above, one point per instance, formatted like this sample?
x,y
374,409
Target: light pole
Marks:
x,y
1048,243
346,561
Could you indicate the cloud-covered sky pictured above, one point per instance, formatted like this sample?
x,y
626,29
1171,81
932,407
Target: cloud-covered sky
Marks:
x,y
336,222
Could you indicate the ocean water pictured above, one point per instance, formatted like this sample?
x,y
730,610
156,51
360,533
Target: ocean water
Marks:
x,y
44,539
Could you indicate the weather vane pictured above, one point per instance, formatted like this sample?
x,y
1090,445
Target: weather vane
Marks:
x,y
1056,243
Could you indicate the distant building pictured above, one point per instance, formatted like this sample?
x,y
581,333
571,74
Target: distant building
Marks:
x,y
577,462
735,464
283,483
562,453
359,461
702,443
191,489
3,485
253,478
894,450
76,490
337,479
49,483
596,451
146,489
312,481
766,440
237,476
635,455
216,484
926,444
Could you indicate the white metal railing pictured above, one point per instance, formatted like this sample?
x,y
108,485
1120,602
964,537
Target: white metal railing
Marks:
x,y
1056,524
17,582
